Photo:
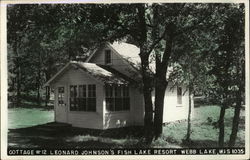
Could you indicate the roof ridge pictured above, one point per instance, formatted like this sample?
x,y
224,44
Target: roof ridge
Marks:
x,y
112,70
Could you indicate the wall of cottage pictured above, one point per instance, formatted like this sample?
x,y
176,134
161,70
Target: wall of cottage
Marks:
x,y
132,117
172,110
82,119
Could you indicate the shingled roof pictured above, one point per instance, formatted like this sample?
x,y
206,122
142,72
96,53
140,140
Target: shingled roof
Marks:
x,y
130,53
101,73
96,71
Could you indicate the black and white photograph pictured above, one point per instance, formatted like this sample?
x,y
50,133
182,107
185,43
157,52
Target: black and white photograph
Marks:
x,y
132,79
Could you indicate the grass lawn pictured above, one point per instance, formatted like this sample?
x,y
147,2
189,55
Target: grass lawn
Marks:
x,y
27,117
203,131
54,135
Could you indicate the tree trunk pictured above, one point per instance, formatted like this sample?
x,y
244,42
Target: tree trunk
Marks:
x,y
38,88
18,95
146,77
237,110
18,76
160,88
221,125
161,83
236,120
189,114
47,88
47,96
148,117
147,88
38,96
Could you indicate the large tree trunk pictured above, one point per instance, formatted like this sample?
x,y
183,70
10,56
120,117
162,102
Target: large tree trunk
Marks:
x,y
147,89
161,83
160,88
146,77
221,125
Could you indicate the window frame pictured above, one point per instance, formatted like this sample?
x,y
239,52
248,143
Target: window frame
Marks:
x,y
106,60
73,98
60,96
82,96
91,98
118,99
109,98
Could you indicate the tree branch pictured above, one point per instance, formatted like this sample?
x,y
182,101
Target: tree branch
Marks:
x,y
194,26
157,41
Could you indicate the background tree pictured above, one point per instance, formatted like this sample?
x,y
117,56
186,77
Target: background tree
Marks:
x,y
172,22
228,35
237,32
38,41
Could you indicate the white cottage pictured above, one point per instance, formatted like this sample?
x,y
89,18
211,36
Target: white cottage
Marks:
x,y
103,92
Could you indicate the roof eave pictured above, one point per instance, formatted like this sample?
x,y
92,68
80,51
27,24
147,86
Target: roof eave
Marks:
x,y
56,75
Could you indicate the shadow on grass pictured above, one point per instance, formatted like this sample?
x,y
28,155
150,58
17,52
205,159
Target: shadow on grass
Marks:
x,y
209,144
200,144
59,135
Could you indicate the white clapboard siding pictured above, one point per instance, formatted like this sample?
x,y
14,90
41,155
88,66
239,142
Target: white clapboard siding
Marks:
x,y
85,119
132,117
137,103
81,118
172,110
117,119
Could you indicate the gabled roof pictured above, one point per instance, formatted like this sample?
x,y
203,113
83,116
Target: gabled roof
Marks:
x,y
95,71
128,52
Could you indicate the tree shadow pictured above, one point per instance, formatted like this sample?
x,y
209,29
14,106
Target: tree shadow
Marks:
x,y
208,144
200,144
55,135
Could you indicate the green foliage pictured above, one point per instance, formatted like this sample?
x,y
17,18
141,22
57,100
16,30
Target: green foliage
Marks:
x,y
207,57
42,38
227,60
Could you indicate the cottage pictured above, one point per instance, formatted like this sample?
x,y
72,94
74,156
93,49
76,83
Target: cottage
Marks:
x,y
104,92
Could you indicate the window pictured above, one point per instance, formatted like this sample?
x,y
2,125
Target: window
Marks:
x,y
80,100
91,98
179,95
107,57
117,98
126,100
73,98
60,95
110,103
82,97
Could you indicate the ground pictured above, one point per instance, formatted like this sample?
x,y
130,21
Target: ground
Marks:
x,y
27,117
204,132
